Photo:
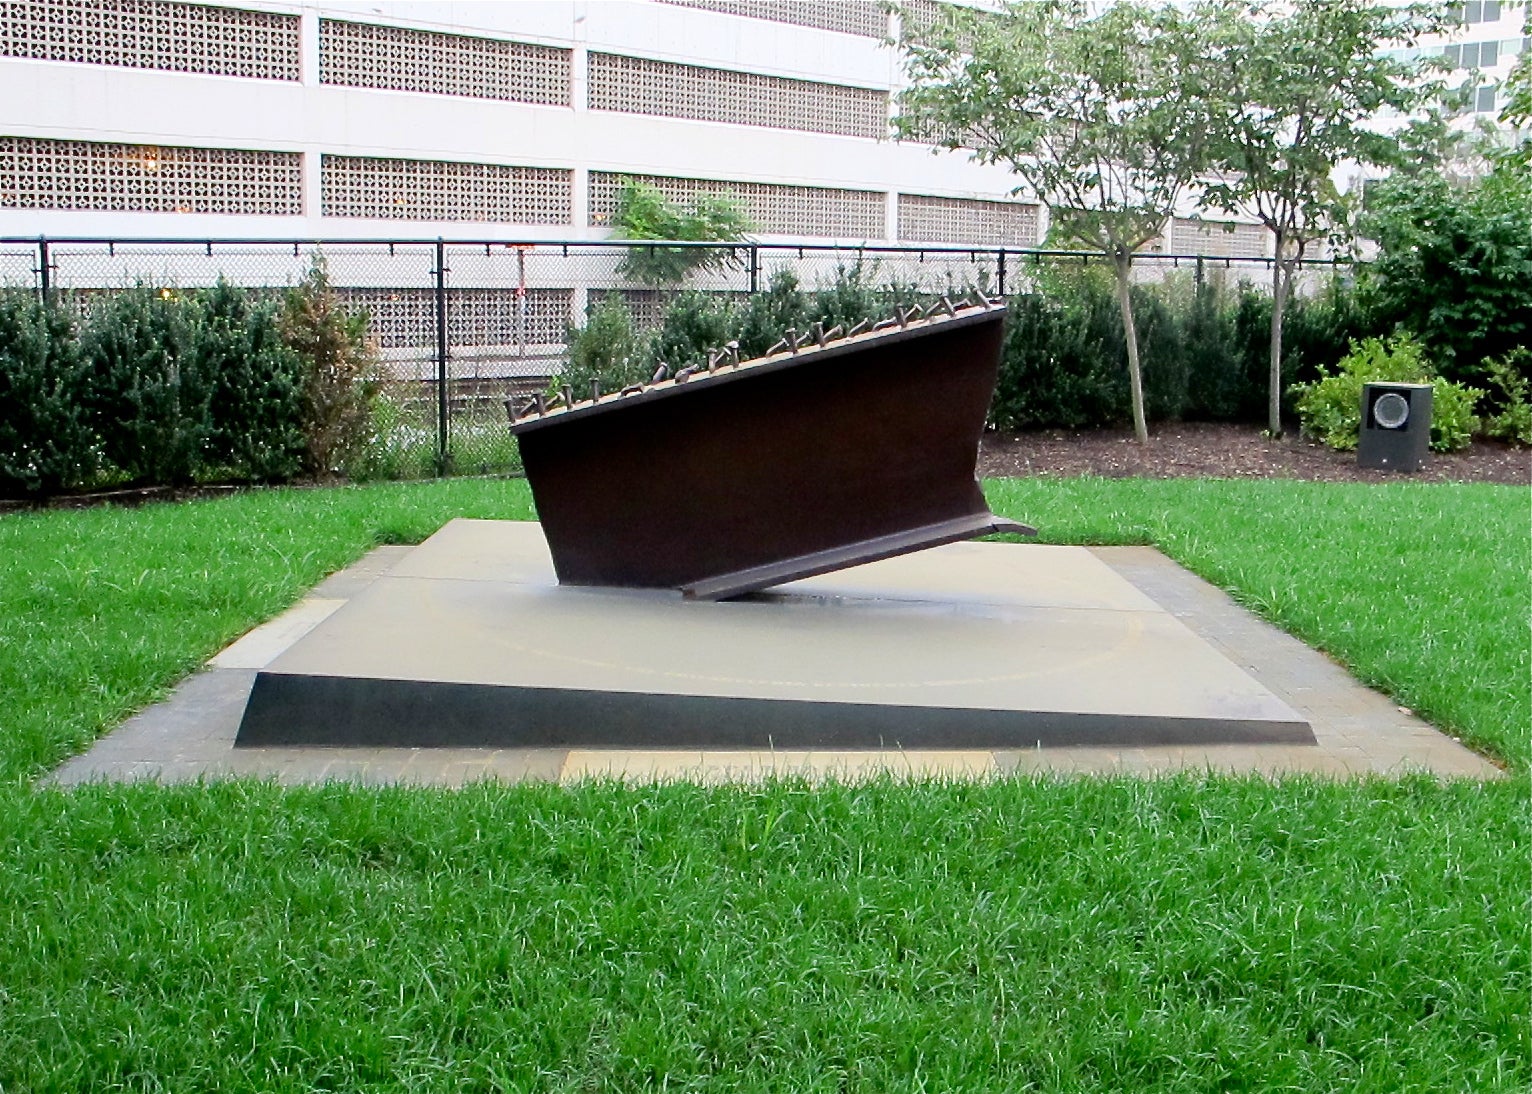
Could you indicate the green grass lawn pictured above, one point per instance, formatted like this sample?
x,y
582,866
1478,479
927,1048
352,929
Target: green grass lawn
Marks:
x,y
1197,933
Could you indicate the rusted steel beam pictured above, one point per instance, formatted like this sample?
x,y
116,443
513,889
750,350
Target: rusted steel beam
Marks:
x,y
827,453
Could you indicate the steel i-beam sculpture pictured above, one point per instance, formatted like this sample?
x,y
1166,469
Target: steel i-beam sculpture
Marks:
x,y
837,447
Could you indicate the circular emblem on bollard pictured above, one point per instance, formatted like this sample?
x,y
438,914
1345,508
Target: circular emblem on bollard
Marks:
x,y
1391,410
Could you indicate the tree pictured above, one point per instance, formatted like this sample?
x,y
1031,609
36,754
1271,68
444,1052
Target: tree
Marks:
x,y
1302,92
1455,265
645,213
1099,113
340,360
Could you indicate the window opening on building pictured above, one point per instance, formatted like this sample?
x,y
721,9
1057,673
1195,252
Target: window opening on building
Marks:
x,y
403,318
153,34
638,85
965,220
400,59
1218,238
1473,54
771,208
404,189
1478,11
37,173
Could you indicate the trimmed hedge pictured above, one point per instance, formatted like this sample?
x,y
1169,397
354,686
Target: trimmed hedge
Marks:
x,y
258,384
46,442
1204,345
149,385
149,401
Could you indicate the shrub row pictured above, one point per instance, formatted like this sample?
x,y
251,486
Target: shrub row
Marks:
x,y
150,385
1205,346
614,351
1206,352
1204,343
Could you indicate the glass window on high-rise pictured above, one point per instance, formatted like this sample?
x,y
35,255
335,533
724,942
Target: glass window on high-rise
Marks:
x,y
1479,11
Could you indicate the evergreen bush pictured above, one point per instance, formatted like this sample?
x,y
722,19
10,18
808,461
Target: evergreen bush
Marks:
x,y
608,350
148,399
1217,384
1061,365
46,443
766,314
257,407
1252,349
694,323
1159,316
854,295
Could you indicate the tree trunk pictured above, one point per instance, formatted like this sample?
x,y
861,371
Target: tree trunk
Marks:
x,y
1281,281
1124,265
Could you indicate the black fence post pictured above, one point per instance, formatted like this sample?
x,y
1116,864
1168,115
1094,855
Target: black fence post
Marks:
x,y
1000,273
441,357
44,273
755,269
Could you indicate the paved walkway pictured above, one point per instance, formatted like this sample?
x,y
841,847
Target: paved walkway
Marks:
x,y
190,736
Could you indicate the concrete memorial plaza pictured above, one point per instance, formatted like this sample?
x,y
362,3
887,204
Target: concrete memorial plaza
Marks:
x,y
463,659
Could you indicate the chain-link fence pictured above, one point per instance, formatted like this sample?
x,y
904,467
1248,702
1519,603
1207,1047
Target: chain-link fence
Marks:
x,y
462,326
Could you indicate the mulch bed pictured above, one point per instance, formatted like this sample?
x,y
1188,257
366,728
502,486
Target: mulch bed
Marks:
x,y
127,498
1218,450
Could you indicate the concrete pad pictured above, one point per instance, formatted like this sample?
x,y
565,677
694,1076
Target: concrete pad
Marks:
x,y
470,641
190,735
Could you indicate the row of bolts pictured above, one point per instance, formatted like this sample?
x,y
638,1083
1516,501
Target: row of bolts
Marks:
x,y
728,356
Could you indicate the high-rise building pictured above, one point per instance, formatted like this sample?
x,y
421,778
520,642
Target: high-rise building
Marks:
x,y
1487,39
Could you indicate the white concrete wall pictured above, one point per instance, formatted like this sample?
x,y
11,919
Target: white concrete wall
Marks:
x,y
100,103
